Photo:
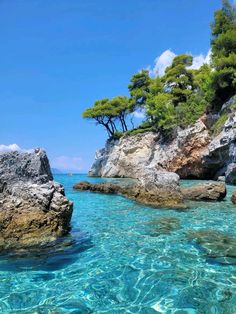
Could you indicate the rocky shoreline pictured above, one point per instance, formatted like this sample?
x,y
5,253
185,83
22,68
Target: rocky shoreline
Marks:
x,y
33,208
35,211
162,191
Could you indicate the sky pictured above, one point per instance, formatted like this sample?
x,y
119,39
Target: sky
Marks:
x,y
58,57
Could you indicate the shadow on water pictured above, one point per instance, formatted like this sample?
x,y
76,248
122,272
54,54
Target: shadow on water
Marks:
x,y
53,256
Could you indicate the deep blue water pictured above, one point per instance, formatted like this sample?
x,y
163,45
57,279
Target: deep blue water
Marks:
x,y
122,257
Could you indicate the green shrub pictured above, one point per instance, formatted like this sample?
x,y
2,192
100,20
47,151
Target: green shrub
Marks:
x,y
190,111
218,125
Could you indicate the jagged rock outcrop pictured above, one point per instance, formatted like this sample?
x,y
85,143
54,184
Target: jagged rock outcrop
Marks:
x,y
211,191
33,208
160,189
193,153
220,158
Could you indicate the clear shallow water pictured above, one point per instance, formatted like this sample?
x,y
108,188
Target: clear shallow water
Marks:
x,y
123,257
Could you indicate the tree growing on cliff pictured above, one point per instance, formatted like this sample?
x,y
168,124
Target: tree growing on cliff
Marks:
x,y
101,112
139,87
110,113
223,46
161,111
179,79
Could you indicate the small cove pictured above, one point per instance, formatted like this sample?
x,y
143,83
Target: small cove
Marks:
x,y
123,257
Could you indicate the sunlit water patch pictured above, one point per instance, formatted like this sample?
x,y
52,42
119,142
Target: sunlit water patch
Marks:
x,y
122,257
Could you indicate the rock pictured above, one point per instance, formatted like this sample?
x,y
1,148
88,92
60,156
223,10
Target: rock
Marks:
x,y
192,153
230,174
33,208
218,246
163,225
155,189
220,158
221,179
130,156
212,191
233,197
106,188
23,167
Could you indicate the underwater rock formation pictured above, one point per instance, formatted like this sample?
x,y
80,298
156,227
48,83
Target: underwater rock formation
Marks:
x,y
218,246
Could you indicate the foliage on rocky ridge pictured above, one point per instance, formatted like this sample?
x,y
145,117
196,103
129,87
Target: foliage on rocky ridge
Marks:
x,y
181,95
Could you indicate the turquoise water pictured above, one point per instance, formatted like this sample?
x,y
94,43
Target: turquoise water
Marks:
x,y
123,257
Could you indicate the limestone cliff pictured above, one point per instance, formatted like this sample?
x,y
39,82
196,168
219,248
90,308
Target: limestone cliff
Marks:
x,y
193,153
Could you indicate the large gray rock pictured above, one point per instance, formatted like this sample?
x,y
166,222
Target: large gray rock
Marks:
x,y
33,208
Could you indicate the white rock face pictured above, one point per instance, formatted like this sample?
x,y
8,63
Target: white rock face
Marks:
x,y
131,156
193,153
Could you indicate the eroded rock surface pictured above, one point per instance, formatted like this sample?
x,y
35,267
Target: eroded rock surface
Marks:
x,y
33,208
193,153
220,158
211,191
130,156
233,197
159,189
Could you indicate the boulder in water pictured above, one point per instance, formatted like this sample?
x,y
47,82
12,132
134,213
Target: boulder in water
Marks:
x,y
33,208
211,191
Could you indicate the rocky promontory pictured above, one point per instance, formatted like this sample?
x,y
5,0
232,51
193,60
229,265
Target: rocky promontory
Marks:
x,y
33,208
192,152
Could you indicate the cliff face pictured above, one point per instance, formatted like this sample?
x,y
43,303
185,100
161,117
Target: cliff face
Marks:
x,y
33,208
193,153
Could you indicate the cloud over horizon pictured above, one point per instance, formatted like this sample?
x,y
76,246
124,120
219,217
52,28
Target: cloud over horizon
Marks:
x,y
166,58
12,148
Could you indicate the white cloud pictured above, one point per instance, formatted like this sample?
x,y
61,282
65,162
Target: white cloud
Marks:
x,y
162,62
199,60
139,114
67,163
166,58
12,148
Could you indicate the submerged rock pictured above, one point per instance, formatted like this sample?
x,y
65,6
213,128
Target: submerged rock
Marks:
x,y
218,246
211,191
33,208
164,225
157,189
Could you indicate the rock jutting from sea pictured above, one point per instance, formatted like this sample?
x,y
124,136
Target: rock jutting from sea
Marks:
x,y
192,153
33,208
159,189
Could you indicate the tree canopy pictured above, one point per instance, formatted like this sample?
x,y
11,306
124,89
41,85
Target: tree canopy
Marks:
x,y
182,94
223,45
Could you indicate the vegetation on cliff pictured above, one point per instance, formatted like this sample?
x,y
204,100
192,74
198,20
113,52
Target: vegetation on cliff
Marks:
x,y
182,94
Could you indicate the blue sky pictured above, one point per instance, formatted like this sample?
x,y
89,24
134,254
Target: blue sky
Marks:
x,y
58,57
